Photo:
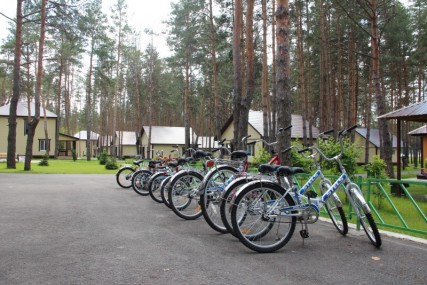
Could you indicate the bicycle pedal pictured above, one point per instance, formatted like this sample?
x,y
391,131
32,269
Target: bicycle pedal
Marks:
x,y
304,233
311,194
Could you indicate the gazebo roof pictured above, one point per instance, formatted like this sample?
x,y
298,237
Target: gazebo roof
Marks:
x,y
416,112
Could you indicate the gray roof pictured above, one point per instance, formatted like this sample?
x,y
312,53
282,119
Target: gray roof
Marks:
x,y
167,135
256,121
82,135
419,132
127,138
22,110
415,112
374,136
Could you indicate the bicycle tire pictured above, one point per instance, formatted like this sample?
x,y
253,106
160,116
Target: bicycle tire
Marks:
x,y
182,194
335,211
154,186
260,231
139,182
214,184
124,177
228,200
163,191
364,215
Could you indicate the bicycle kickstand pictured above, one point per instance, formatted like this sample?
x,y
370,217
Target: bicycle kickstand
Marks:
x,y
304,230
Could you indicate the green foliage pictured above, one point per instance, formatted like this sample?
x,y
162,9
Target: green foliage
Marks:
x,y
262,156
103,157
376,168
298,159
111,163
45,160
332,147
74,154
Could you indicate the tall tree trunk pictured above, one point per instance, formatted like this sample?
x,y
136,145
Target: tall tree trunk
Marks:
x,y
386,150
282,77
32,124
246,100
11,138
301,76
264,82
89,104
237,69
218,115
273,128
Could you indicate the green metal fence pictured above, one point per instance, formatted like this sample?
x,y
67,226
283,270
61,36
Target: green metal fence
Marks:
x,y
397,205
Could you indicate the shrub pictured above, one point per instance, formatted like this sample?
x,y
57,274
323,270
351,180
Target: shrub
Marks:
x,y
298,159
111,163
332,147
376,168
45,160
74,154
103,157
262,156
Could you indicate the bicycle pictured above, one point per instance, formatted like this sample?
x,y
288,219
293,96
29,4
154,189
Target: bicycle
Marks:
x,y
182,189
213,185
272,212
265,171
124,174
141,177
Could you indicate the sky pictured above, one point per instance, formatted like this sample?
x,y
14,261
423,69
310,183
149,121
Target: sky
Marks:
x,y
142,14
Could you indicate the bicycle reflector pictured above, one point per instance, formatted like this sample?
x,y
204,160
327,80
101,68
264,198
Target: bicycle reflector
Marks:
x,y
210,163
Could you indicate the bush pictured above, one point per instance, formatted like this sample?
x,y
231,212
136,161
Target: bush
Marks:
x,y
298,159
376,168
103,157
74,154
332,147
45,160
111,163
262,156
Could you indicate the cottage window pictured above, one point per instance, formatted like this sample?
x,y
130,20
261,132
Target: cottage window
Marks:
x,y
43,145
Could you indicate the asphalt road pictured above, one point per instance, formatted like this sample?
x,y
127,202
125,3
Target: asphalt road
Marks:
x,y
85,229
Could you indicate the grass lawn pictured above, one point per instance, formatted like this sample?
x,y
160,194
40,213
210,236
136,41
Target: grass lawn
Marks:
x,y
80,166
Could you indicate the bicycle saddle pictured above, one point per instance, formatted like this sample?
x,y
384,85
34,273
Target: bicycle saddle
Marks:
x,y
287,170
267,168
239,154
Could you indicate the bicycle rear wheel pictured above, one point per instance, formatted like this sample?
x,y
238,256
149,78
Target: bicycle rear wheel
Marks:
x,y
140,181
124,177
215,183
334,208
267,227
363,212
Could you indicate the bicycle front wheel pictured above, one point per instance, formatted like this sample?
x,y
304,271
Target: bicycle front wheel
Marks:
x,y
268,225
140,181
154,186
336,212
363,212
228,200
182,195
164,191
124,177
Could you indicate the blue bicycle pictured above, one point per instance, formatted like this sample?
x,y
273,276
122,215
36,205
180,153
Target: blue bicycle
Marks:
x,y
271,211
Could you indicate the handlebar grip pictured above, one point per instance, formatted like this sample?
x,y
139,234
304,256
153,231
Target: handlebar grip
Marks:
x,y
284,129
303,150
221,142
286,150
344,132
328,131
351,128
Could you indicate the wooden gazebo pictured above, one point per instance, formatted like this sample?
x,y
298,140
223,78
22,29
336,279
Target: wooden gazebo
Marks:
x,y
416,113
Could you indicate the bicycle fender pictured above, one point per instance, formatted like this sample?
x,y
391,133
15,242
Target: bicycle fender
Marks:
x,y
357,194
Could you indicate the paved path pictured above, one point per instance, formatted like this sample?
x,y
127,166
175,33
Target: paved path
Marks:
x,y
84,229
